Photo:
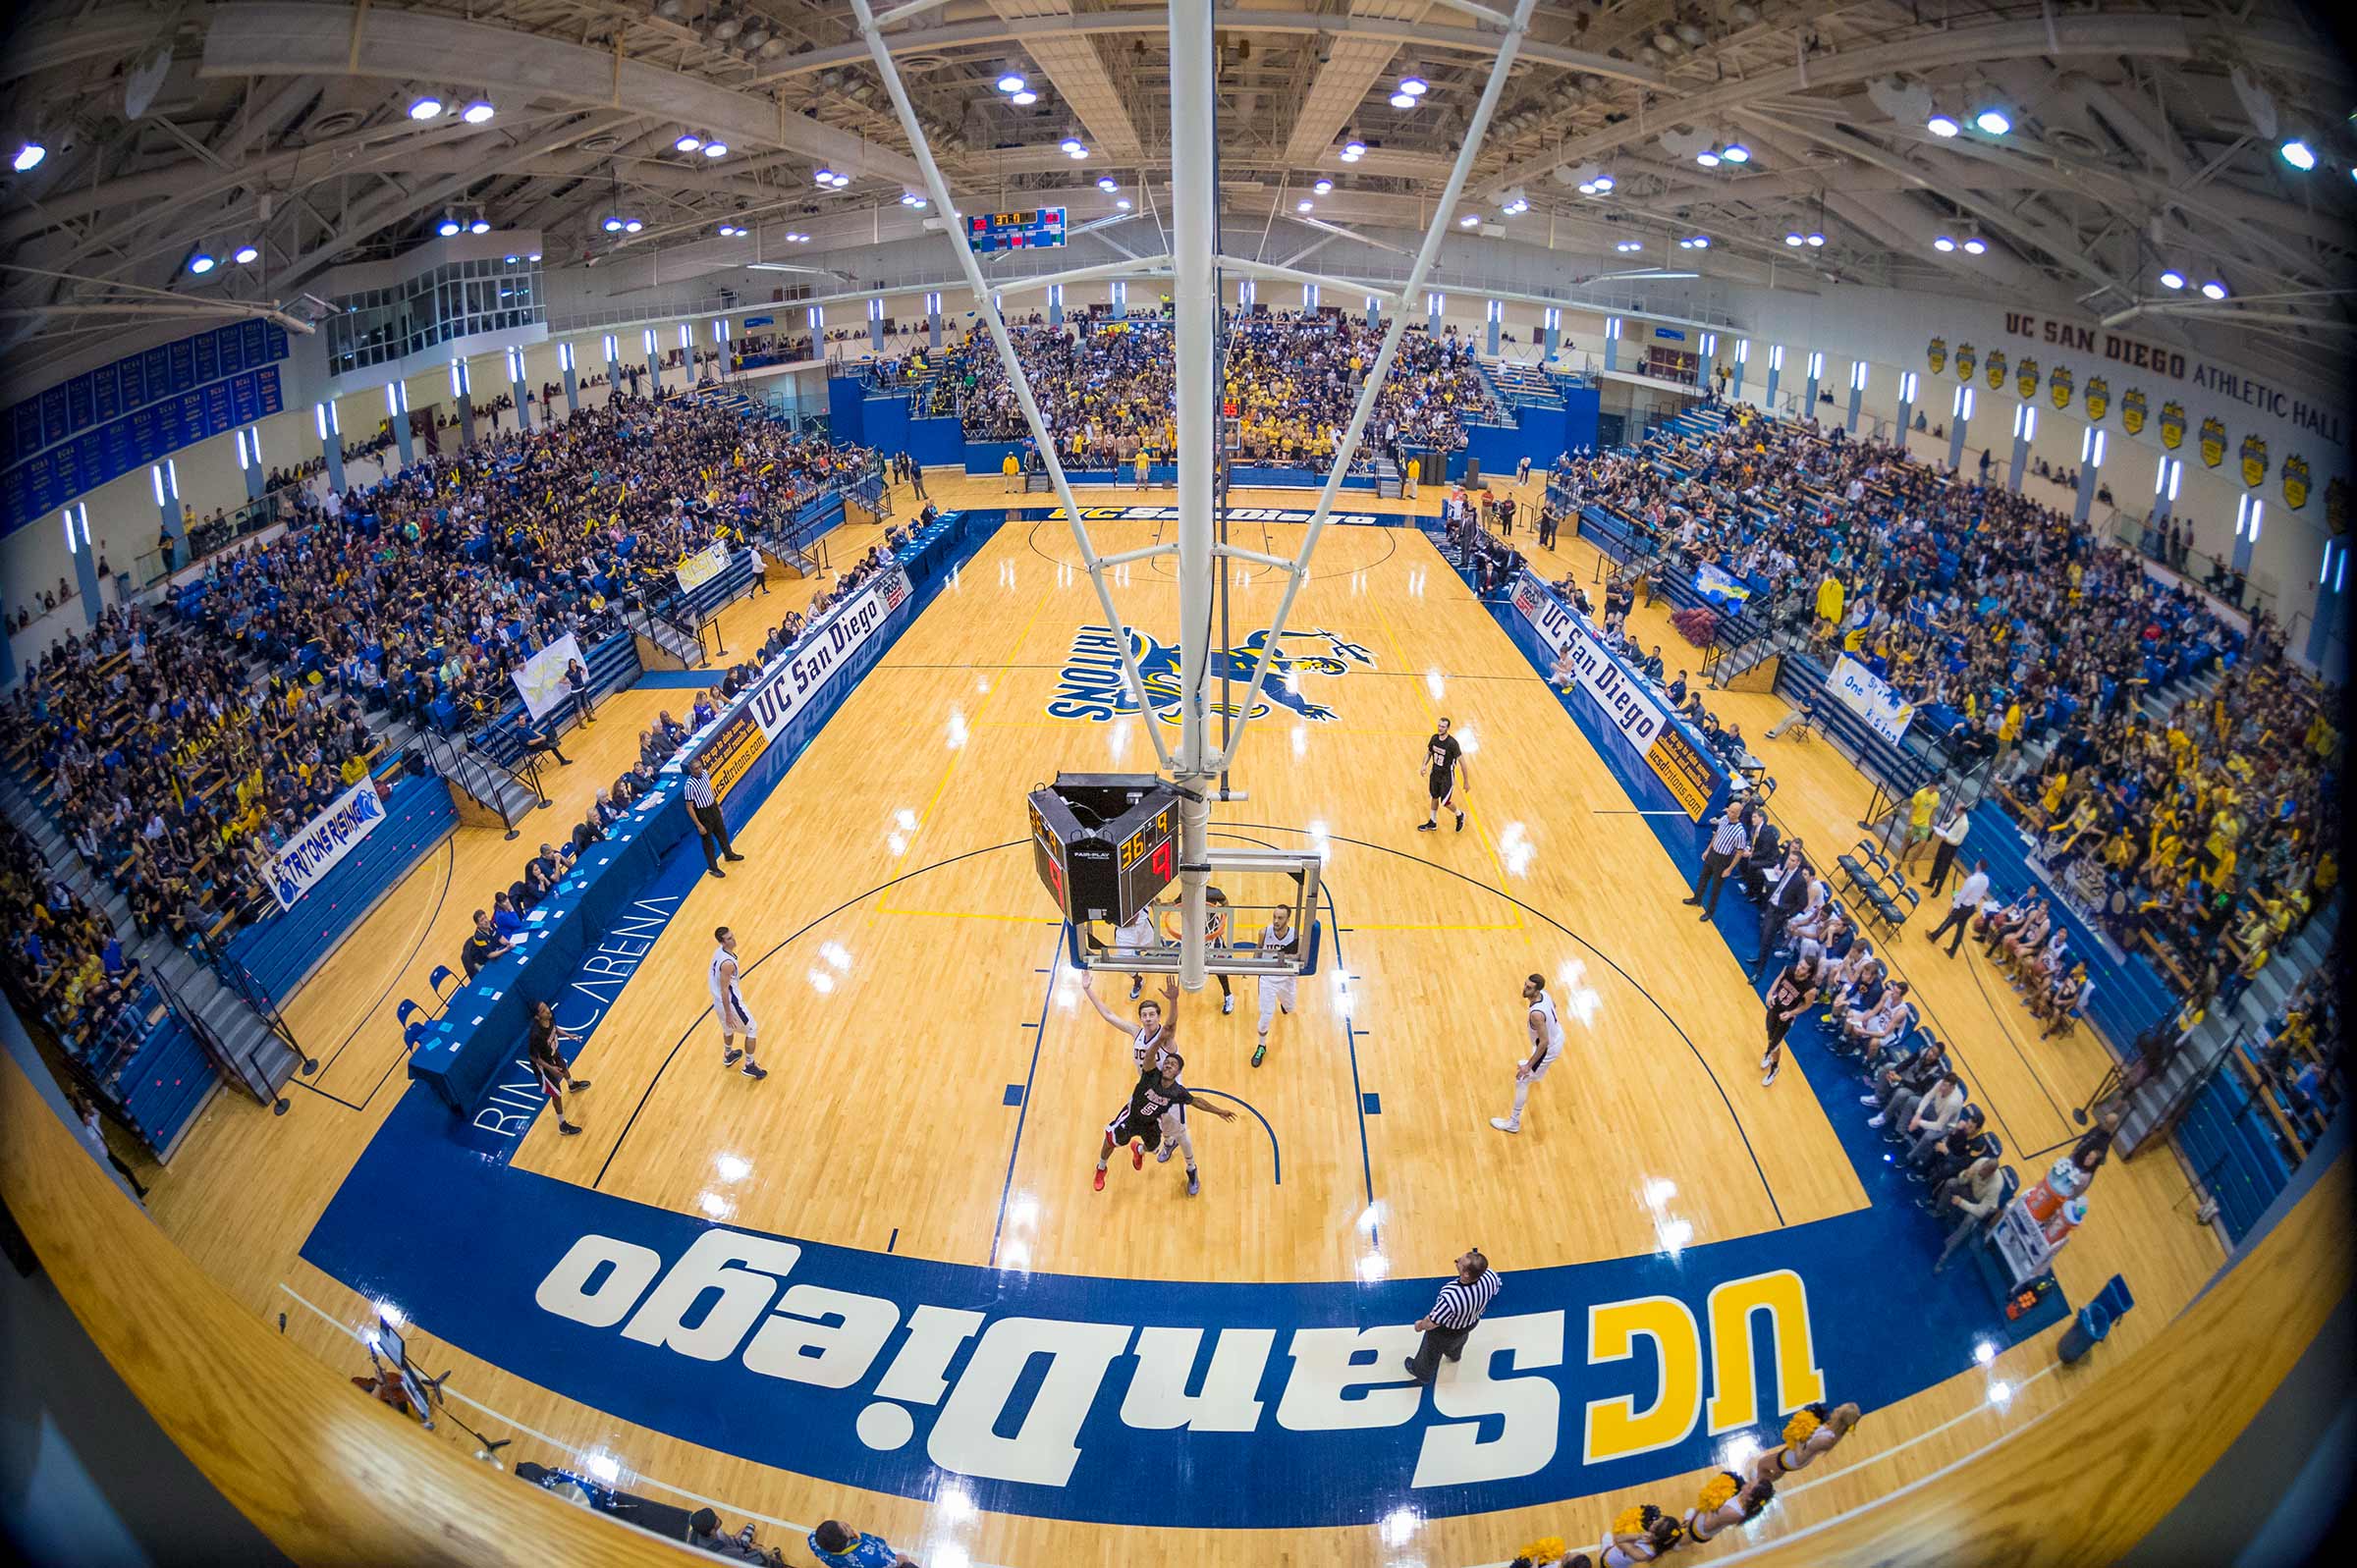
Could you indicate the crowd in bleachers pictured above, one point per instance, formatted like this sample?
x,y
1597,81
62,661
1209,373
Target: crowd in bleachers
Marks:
x,y
2211,830
65,963
1107,388
182,754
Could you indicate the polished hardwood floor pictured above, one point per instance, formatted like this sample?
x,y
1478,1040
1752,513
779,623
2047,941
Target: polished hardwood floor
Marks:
x,y
899,930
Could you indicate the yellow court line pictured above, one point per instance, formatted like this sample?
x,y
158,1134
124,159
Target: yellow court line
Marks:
x,y
1357,926
1479,827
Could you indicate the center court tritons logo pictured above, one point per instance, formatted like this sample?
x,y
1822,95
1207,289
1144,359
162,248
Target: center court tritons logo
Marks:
x,y
1091,685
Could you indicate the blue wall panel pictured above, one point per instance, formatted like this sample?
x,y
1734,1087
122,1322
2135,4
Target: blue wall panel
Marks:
x,y
885,423
846,408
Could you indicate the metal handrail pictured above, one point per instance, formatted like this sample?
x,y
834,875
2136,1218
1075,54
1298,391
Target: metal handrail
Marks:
x,y
232,973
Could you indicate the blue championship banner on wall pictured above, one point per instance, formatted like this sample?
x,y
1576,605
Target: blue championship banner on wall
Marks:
x,y
324,841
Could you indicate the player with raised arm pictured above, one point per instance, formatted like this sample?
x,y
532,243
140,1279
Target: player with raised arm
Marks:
x,y
1157,1103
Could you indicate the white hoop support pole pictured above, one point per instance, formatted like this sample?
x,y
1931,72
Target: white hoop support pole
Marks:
x,y
939,191
1442,218
1194,332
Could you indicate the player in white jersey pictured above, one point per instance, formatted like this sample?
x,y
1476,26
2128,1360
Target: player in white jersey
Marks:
x,y
1276,991
1137,936
1546,1045
728,1004
1155,1036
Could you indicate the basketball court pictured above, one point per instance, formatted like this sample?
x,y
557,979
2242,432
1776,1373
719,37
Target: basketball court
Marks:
x,y
938,1086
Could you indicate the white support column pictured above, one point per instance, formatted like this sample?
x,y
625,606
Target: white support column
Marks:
x,y
2091,467
573,381
1908,385
1961,408
1734,385
1857,392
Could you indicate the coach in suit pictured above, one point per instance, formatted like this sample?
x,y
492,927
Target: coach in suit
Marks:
x,y
1454,1312
1788,896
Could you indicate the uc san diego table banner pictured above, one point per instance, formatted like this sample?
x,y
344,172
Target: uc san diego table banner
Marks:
x,y
324,841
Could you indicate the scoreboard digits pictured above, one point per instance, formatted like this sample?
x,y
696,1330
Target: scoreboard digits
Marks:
x,y
1035,230
1105,845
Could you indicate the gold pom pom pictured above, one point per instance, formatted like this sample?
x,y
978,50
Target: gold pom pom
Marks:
x,y
1545,1549
1801,1426
1718,1489
1630,1520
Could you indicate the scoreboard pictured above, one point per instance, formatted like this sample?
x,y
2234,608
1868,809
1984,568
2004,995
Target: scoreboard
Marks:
x,y
1035,230
1105,844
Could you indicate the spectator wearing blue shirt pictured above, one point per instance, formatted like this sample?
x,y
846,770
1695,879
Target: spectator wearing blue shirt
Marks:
x,y
504,920
838,1545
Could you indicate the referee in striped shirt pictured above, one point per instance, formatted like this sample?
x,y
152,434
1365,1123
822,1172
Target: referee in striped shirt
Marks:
x,y
1454,1312
711,828
1731,843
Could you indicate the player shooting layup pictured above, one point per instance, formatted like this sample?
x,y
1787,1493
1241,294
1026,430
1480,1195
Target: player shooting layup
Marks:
x,y
1153,1041
728,1004
1276,991
1546,1045
1446,778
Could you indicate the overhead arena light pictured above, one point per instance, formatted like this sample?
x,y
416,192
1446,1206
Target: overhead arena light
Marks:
x,y
1073,148
1012,81
715,149
2214,289
425,106
1023,99
1795,239
1707,158
1942,125
29,156
1303,205
478,113
202,263
1122,203
728,230
1468,220
1630,246
1975,246
794,238
2298,154
1108,184
688,141
246,255
1735,152
1353,149
2171,279
1322,187
1994,121
1403,100
1816,240
1414,85
481,225
450,225
631,225
1945,243
612,225
1698,242
824,177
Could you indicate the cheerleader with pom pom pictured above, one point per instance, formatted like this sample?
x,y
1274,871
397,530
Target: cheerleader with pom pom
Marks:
x,y
1727,1499
1640,1535
1813,1430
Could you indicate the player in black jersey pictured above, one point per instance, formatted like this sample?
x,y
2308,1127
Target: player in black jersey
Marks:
x,y
1157,1093
1445,776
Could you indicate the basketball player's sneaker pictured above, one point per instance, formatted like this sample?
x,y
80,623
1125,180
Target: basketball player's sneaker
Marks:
x,y
1259,1051
566,1128
1776,1067
1194,1182
1228,1004
1461,822
729,1058
754,1069
1504,1126
1162,1156
1138,983
1137,1153
1427,826
1100,1179
576,1086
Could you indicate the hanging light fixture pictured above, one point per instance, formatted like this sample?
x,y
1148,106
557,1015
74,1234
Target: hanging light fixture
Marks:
x,y
1323,186
2171,279
425,106
478,112
28,156
202,263
1942,125
715,149
449,225
1735,152
1012,81
688,141
246,255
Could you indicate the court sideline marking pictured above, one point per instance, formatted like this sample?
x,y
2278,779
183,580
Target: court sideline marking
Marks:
x,y
448,871
1023,1111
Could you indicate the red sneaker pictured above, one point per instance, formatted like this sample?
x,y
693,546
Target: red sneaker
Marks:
x,y
1137,1153
1100,1179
